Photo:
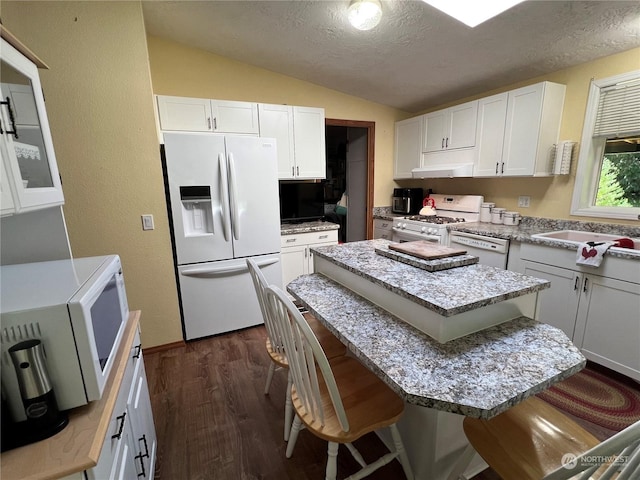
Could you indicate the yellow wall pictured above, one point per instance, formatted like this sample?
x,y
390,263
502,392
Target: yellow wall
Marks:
x,y
550,196
190,72
99,102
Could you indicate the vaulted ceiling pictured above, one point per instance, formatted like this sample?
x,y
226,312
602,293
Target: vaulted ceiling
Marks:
x,y
416,58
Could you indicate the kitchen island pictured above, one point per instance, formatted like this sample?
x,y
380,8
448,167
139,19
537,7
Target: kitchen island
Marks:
x,y
478,374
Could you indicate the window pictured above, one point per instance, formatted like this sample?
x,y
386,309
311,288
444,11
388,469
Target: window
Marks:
x,y
619,179
608,176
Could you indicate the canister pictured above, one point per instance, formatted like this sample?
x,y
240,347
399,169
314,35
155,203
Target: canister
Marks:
x,y
485,211
496,215
511,218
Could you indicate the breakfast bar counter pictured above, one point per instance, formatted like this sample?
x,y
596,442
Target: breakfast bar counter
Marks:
x,y
478,375
377,306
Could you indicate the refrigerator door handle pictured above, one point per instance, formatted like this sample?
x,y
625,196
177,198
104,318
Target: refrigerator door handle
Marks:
x,y
224,197
215,271
235,214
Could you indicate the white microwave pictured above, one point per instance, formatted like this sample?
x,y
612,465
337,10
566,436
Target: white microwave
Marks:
x,y
78,309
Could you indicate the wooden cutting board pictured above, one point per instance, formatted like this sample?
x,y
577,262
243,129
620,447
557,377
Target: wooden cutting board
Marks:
x,y
426,250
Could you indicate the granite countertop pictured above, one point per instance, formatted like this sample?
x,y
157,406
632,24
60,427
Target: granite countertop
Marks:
x,y
385,213
446,292
306,227
478,375
534,225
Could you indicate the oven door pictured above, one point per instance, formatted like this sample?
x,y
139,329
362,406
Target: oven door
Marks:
x,y
402,236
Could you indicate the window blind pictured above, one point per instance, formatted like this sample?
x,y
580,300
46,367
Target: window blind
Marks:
x,y
619,110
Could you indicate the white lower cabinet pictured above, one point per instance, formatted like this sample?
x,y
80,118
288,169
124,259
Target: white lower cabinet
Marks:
x,y
297,258
382,228
129,449
599,313
143,439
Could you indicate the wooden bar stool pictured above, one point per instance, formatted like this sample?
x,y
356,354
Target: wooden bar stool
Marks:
x,y
274,344
534,441
338,399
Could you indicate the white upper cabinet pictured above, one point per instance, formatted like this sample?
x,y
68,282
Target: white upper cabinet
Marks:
x,y
234,117
276,121
207,115
517,131
492,115
408,147
300,136
309,142
451,128
30,178
183,113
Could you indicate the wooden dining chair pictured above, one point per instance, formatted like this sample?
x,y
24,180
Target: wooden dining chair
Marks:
x,y
274,344
338,399
535,441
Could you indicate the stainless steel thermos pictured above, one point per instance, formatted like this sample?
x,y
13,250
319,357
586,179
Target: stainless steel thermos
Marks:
x,y
39,400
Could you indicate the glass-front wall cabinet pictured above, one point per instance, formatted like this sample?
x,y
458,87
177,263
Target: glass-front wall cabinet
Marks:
x,y
26,147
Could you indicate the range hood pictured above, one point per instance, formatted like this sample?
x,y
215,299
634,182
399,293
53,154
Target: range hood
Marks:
x,y
443,171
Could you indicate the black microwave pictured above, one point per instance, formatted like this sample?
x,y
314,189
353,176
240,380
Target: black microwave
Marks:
x,y
301,202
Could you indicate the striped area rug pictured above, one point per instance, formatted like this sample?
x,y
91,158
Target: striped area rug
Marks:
x,y
601,401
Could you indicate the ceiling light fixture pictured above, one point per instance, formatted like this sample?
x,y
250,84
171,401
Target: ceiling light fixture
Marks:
x,y
364,14
472,12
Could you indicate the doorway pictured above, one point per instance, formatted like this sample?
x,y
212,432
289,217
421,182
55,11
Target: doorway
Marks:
x,y
349,185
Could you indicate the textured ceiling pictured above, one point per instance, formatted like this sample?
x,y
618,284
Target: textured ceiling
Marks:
x,y
416,58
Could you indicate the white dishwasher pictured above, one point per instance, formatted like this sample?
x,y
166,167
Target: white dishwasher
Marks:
x,y
490,250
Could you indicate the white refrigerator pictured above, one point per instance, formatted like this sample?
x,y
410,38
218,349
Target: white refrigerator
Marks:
x,y
224,208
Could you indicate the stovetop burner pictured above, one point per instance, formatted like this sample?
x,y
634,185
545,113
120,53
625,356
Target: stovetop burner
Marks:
x,y
435,219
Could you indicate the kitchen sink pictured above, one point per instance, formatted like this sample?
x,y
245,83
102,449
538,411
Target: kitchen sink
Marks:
x,y
575,237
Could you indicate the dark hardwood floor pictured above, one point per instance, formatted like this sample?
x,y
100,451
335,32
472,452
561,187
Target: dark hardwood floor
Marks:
x,y
213,420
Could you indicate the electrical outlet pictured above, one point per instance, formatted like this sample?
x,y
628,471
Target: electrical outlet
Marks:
x,y
147,222
523,201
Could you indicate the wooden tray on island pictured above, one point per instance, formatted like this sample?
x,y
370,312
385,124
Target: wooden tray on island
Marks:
x,y
443,260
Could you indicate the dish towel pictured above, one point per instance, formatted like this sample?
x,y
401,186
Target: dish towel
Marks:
x,y
591,253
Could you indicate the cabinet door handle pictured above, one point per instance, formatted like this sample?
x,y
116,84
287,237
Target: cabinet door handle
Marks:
x,y
497,164
442,142
140,457
12,119
121,427
502,169
585,286
298,171
209,122
446,143
215,123
323,236
576,284
293,171
291,240
138,351
146,447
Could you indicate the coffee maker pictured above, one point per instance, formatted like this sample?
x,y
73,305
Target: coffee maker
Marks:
x,y
406,200
44,419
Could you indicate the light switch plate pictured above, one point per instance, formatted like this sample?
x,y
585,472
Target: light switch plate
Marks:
x,y
147,222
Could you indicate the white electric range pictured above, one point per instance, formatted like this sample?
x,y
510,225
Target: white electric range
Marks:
x,y
433,228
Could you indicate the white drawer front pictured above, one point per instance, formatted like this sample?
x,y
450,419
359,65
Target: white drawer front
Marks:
x,y
310,238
